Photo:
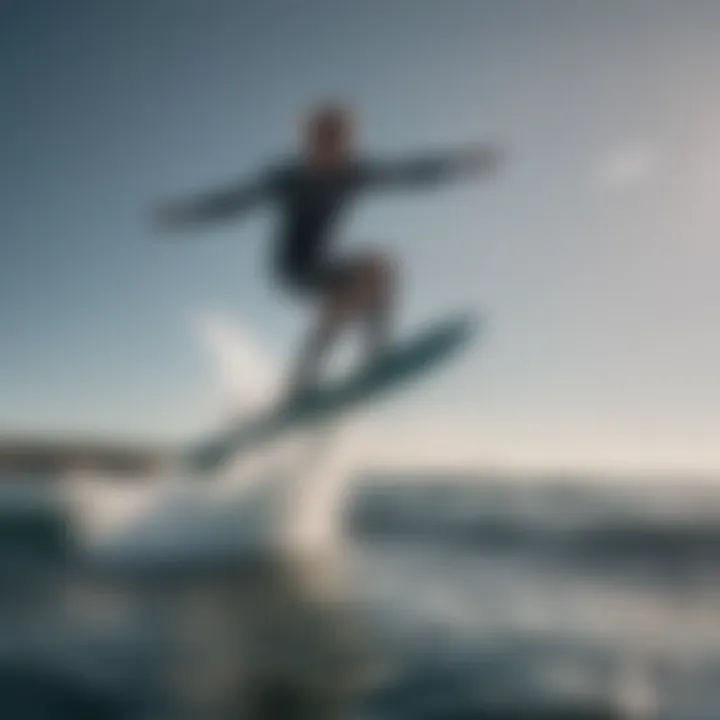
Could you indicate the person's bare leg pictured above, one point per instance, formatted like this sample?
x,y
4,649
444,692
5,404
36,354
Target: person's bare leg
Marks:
x,y
368,297
379,304
337,310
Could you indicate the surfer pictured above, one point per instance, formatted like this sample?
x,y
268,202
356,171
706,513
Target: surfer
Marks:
x,y
310,191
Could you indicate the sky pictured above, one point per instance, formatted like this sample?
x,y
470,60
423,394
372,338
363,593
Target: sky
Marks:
x,y
592,257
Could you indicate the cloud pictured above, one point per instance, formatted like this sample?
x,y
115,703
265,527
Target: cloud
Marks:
x,y
626,167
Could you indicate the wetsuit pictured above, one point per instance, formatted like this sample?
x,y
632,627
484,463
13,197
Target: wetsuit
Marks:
x,y
310,202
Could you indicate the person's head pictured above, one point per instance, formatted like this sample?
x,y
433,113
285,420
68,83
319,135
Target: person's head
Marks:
x,y
328,134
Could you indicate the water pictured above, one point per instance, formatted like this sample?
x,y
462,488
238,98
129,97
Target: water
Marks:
x,y
599,596
483,599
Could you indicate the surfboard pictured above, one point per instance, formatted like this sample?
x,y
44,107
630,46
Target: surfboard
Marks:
x,y
405,362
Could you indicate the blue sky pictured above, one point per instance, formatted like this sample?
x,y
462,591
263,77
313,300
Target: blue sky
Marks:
x,y
594,256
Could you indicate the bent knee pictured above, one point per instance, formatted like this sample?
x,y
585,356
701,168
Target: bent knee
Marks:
x,y
380,270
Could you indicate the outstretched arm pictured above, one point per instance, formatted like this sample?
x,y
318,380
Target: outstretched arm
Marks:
x,y
431,169
213,206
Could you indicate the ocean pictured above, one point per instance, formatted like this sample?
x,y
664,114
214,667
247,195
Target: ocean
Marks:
x,y
481,597
604,592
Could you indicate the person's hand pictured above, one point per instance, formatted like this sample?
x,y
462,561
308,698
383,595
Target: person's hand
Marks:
x,y
488,157
170,217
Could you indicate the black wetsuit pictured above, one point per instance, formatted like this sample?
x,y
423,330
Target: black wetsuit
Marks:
x,y
310,202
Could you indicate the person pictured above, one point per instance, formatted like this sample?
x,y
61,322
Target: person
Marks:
x,y
310,191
